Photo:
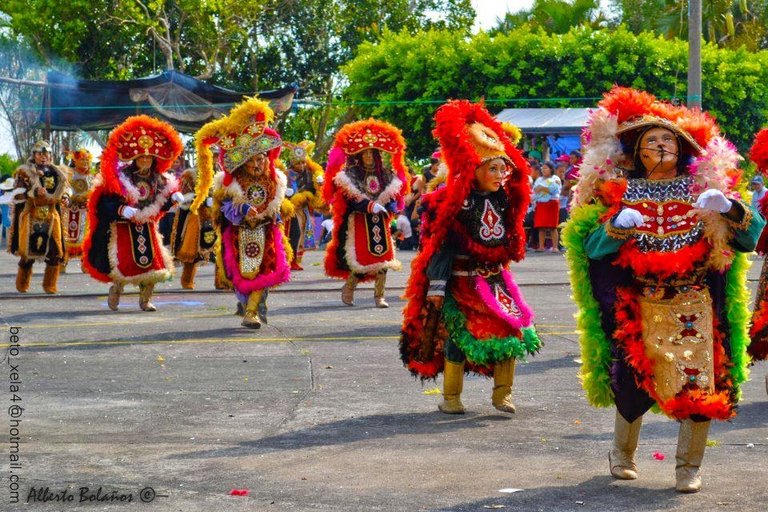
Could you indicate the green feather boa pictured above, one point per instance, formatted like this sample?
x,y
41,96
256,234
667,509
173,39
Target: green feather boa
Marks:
x,y
595,346
737,312
489,350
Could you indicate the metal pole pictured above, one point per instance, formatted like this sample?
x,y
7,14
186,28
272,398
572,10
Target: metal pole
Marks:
x,y
47,97
694,54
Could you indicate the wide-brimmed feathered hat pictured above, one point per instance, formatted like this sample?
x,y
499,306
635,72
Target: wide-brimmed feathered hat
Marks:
x,y
621,118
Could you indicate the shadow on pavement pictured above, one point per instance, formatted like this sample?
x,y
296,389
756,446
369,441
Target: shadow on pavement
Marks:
x,y
366,428
600,493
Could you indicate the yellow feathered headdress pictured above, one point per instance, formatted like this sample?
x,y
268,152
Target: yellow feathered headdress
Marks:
x,y
239,136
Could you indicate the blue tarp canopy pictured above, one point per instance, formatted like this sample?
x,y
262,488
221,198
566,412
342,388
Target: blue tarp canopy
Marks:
x,y
181,100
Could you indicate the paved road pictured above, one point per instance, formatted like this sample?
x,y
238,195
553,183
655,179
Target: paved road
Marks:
x,y
315,412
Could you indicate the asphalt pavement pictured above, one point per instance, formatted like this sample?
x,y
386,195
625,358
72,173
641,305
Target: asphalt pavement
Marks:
x,y
175,410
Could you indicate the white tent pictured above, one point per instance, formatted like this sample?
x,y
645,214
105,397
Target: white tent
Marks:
x,y
546,121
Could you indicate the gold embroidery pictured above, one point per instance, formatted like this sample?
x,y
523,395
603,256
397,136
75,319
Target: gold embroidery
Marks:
x,y
619,233
251,250
41,212
678,339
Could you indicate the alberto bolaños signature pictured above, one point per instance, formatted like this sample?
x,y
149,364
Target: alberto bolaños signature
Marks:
x,y
88,495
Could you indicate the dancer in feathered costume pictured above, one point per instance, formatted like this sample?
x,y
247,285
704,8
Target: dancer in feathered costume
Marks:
x,y
305,181
75,210
656,248
246,200
758,349
193,236
37,232
465,313
123,244
363,196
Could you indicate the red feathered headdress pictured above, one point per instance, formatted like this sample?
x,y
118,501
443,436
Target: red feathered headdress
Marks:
x,y
369,134
469,136
624,114
137,136
758,153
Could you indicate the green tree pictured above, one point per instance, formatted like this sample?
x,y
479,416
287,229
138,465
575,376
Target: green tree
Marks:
x,y
531,68
19,64
555,16
241,44
311,40
8,164
728,23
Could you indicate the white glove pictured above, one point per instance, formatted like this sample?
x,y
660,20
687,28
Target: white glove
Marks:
x,y
177,197
289,192
208,202
320,179
713,199
377,208
129,212
628,218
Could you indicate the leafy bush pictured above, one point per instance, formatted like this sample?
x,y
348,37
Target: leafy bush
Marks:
x,y
404,78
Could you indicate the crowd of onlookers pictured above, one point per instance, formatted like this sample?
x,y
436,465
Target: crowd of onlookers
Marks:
x,y
552,185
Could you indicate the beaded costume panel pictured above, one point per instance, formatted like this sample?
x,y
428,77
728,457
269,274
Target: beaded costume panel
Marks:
x,y
666,205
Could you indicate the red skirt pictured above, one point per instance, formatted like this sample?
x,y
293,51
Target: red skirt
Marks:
x,y
546,215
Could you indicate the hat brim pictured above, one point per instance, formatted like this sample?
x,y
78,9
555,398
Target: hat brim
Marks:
x,y
633,126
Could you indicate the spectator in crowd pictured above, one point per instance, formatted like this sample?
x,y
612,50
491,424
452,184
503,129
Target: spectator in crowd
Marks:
x,y
5,208
326,228
532,234
546,195
560,170
757,185
403,234
571,174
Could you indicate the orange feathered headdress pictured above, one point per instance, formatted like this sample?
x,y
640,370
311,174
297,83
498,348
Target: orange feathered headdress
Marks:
x,y
80,154
758,153
361,135
136,136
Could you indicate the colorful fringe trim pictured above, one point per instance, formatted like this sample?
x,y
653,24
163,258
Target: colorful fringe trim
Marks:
x,y
720,405
486,295
280,274
487,351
